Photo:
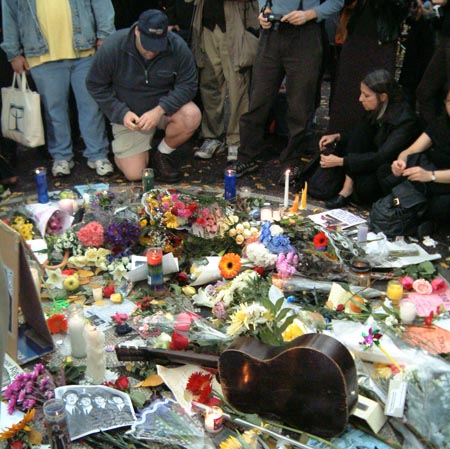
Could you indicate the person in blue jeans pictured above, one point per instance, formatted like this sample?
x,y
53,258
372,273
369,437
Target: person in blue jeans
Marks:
x,y
55,40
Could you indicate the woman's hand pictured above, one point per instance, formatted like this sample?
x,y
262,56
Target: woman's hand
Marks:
x,y
265,24
331,161
417,174
397,167
326,140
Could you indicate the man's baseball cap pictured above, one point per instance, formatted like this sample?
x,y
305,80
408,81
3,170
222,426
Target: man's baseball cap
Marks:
x,y
152,25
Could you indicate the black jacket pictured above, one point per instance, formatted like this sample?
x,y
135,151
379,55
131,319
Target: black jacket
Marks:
x,y
388,15
120,80
394,132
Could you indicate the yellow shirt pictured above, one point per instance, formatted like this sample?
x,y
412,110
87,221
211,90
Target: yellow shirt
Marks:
x,y
55,20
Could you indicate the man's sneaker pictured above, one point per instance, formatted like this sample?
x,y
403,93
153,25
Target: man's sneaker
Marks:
x,y
242,168
232,153
62,168
165,170
209,148
103,167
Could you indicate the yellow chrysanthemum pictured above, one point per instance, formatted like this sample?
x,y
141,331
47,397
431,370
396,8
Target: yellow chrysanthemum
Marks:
x,y
230,443
294,330
170,220
16,428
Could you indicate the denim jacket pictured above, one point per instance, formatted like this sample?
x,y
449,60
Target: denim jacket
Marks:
x,y
91,19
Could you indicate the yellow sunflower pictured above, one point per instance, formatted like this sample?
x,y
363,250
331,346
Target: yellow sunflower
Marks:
x,y
10,432
230,265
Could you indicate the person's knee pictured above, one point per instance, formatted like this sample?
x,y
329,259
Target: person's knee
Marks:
x,y
190,117
131,169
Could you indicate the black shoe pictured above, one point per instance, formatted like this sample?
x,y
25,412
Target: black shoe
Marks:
x,y
165,170
242,168
337,202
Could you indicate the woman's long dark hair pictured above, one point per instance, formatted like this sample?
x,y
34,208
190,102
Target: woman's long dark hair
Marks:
x,y
381,81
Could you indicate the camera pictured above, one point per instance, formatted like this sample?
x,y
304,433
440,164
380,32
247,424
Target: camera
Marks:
x,y
274,19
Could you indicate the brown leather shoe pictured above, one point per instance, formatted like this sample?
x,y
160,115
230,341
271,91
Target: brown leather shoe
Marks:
x,y
165,170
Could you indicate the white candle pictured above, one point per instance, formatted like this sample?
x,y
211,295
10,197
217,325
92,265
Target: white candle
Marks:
x,y
76,324
97,294
266,213
276,215
408,312
286,188
66,205
95,354
214,420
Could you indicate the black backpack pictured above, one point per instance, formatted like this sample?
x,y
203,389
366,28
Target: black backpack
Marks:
x,y
400,212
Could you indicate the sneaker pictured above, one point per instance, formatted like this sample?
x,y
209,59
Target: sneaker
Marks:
x,y
243,168
210,147
62,168
103,167
165,170
232,153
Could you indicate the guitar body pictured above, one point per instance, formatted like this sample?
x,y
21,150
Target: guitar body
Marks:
x,y
309,383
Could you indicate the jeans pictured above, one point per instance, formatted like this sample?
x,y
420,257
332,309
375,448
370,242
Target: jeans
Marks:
x,y
53,80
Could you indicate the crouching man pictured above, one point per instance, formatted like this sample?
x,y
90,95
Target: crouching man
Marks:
x,y
144,78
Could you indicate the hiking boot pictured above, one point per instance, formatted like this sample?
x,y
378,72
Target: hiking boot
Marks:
x,y
103,167
62,168
242,168
164,167
209,148
232,153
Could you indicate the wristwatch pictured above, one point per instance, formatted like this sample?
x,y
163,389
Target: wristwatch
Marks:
x,y
433,176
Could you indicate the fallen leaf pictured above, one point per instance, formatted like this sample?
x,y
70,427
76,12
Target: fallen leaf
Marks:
x,y
85,273
152,381
99,303
84,281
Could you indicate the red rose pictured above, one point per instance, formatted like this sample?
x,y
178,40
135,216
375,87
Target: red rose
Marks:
x,y
122,383
108,291
182,278
17,445
340,307
259,270
178,342
68,272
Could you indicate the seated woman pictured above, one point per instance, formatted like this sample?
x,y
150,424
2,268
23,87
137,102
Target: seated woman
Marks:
x,y
431,171
388,126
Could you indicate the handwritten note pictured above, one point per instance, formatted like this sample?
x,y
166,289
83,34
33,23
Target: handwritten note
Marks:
x,y
427,303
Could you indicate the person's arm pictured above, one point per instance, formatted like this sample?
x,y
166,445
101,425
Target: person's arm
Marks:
x,y
185,86
419,174
99,83
103,11
11,44
420,145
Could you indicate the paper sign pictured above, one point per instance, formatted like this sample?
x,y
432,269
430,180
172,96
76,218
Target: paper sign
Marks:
x,y
433,339
427,303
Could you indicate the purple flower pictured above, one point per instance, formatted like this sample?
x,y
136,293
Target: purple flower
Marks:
x,y
43,383
21,396
49,394
28,387
29,403
122,235
373,337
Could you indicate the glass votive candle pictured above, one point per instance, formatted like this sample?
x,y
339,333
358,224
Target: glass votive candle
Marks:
x,y
155,271
148,179
230,184
266,212
97,294
359,273
394,292
245,192
214,420
408,312
40,176
55,421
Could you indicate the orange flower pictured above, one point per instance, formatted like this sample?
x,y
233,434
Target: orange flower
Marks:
x,y
57,323
229,265
320,240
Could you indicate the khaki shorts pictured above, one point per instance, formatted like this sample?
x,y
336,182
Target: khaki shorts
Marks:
x,y
128,143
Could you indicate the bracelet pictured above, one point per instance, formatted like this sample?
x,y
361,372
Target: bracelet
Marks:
x,y
433,176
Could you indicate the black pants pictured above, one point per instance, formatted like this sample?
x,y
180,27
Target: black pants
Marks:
x,y
294,51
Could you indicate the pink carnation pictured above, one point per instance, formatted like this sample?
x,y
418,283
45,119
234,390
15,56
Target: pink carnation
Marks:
x,y
407,282
91,234
422,286
439,285
184,320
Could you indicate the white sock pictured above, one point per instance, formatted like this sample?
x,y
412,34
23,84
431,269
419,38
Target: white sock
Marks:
x,y
164,148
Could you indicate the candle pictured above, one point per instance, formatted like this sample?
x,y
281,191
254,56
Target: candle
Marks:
x,y
304,196
245,192
276,214
394,292
148,179
362,235
76,324
286,188
40,176
97,294
155,272
55,422
214,420
408,312
294,208
95,354
266,212
230,184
